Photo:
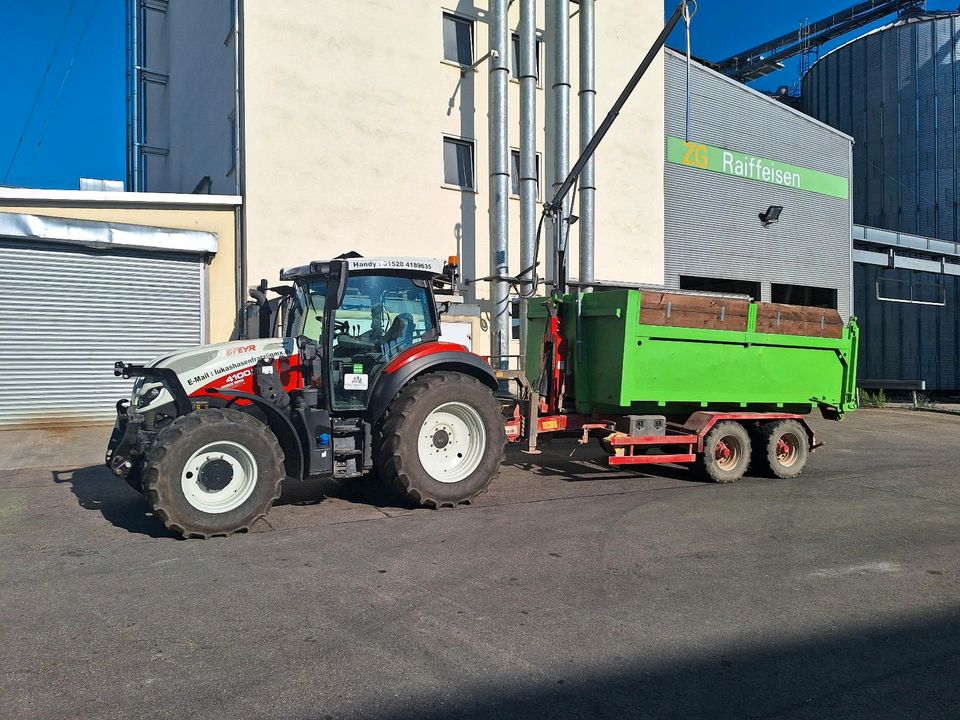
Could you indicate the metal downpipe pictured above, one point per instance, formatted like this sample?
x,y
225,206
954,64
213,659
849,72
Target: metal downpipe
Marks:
x,y
588,96
499,78
133,95
528,157
559,19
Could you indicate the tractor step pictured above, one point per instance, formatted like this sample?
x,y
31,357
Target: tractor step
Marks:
x,y
344,454
345,429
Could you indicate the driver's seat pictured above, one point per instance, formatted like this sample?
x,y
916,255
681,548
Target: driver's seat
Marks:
x,y
399,336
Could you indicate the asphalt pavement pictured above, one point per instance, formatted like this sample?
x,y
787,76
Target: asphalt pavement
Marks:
x,y
569,590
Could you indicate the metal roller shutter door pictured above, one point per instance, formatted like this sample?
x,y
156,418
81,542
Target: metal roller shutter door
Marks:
x,y
69,313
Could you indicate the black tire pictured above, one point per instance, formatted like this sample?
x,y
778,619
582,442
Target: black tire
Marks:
x,y
176,444
725,463
396,455
785,460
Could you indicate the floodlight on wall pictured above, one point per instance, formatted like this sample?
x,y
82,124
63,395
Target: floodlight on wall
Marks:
x,y
771,215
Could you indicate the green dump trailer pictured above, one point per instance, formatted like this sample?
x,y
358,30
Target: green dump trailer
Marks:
x,y
671,377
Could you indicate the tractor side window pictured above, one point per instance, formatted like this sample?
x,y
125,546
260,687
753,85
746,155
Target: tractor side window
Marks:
x,y
380,317
306,311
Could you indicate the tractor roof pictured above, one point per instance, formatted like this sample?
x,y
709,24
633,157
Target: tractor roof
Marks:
x,y
356,263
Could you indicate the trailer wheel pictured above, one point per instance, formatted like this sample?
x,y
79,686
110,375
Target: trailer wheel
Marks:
x,y
782,448
726,453
213,472
441,441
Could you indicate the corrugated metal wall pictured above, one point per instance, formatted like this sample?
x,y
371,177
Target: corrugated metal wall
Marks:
x,y
895,91
70,313
712,229
903,341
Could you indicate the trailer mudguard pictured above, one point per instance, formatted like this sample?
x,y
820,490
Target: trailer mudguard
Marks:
x,y
426,357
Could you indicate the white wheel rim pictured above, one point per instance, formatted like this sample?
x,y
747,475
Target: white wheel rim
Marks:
x,y
219,477
451,442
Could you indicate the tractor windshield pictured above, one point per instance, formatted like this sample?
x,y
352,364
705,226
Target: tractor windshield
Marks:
x,y
306,311
380,317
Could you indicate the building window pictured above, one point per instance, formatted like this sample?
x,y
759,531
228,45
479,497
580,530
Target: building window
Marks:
x,y
515,173
515,70
720,285
804,295
913,290
458,163
457,39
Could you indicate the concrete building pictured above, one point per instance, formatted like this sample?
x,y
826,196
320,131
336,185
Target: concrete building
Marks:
x,y
90,278
363,126
745,153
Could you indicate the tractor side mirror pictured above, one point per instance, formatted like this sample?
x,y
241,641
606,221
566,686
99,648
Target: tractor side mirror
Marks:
x,y
309,348
310,355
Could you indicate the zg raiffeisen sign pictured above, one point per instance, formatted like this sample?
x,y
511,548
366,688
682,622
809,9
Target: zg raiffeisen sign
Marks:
x,y
751,167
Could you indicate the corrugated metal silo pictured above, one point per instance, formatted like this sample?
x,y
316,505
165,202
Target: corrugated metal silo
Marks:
x,y
895,90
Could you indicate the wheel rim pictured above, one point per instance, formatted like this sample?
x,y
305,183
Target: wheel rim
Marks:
x,y
788,449
219,477
728,452
451,442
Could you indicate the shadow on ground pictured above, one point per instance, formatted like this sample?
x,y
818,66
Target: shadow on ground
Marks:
x,y
568,461
96,489
909,670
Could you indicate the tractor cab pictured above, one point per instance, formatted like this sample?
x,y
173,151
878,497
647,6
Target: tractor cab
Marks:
x,y
357,314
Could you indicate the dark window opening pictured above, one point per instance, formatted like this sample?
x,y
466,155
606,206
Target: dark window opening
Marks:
x,y
720,285
515,173
515,44
804,295
458,163
457,39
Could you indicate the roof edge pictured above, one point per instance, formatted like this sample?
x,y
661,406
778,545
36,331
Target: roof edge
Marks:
x,y
12,195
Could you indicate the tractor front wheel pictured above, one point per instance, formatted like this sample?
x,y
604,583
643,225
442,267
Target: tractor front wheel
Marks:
x,y
441,440
213,472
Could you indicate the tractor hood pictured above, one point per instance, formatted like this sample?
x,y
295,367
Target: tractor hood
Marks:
x,y
223,365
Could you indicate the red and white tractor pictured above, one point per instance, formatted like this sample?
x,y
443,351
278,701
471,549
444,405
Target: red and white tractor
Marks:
x,y
359,380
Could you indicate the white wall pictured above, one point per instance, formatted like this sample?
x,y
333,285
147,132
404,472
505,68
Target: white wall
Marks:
x,y
345,111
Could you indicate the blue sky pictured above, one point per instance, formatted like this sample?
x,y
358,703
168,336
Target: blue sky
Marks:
x,y
77,125
725,27
83,131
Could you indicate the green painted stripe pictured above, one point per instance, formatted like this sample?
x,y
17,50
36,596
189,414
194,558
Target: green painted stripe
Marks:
x,y
752,167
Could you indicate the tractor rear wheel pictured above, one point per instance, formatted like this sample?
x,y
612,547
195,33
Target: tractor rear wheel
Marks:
x,y
441,441
782,448
726,453
213,472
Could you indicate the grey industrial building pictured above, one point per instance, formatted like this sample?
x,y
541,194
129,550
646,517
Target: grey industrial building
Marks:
x,y
895,90
745,152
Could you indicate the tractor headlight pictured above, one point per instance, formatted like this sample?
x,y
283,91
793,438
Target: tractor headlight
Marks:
x,y
149,396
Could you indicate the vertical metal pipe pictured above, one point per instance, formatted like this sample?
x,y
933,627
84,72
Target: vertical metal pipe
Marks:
x,y
528,155
499,79
559,19
588,97
133,95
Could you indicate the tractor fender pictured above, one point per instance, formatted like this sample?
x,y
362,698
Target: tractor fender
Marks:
x,y
280,425
429,357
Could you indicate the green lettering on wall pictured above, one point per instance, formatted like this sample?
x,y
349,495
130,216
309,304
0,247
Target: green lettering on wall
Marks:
x,y
752,167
